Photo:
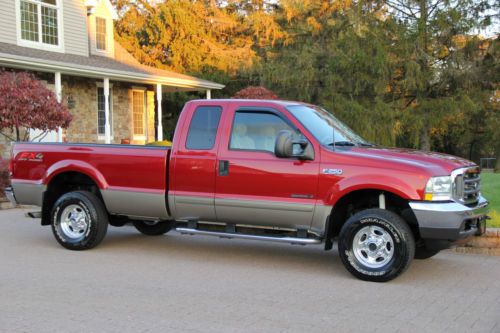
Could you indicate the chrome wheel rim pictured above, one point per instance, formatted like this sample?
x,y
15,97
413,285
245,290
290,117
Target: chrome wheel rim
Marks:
x,y
74,221
373,246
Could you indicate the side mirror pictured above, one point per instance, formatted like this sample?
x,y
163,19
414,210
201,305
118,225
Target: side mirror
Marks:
x,y
287,145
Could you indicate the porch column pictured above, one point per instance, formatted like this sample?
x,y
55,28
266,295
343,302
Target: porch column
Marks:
x,y
158,100
209,94
58,87
107,127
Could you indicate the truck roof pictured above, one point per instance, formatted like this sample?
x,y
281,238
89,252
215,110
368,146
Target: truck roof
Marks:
x,y
257,101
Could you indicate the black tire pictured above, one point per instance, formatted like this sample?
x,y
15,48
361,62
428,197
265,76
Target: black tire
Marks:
x,y
421,252
90,210
382,225
153,228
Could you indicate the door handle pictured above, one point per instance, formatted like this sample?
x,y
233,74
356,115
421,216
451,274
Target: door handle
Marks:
x,y
223,168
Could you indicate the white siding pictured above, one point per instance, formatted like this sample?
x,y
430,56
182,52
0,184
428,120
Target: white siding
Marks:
x,y
76,39
8,22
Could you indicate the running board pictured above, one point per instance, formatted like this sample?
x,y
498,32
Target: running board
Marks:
x,y
292,240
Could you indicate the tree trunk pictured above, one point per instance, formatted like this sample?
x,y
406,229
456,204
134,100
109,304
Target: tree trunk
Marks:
x,y
425,141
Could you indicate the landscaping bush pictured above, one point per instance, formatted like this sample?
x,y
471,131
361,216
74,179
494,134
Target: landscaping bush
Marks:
x,y
164,143
255,93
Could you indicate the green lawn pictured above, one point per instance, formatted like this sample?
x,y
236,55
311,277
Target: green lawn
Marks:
x,y
490,188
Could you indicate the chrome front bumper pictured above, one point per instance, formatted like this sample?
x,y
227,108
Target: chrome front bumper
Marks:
x,y
9,193
449,220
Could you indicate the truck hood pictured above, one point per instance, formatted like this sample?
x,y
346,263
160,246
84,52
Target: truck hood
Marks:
x,y
434,163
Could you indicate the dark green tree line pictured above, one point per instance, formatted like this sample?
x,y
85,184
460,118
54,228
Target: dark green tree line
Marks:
x,y
409,73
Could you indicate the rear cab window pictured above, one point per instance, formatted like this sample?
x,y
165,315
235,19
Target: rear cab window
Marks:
x,y
203,128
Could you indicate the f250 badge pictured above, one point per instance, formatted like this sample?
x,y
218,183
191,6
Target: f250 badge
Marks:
x,y
337,172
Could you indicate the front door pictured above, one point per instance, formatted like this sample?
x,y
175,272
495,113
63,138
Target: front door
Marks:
x,y
255,187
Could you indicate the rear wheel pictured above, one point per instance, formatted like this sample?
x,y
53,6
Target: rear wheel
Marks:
x,y
153,228
79,220
376,245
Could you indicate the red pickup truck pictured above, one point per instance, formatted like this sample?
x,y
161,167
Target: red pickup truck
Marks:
x,y
264,170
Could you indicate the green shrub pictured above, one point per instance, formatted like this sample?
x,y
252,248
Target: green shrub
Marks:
x,y
164,143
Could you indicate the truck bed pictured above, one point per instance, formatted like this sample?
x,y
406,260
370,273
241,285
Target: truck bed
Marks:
x,y
132,179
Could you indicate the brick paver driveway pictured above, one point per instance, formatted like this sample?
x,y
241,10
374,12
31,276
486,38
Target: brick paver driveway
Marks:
x,y
176,283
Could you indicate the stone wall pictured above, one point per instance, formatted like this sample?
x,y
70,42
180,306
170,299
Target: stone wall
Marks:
x,y
122,113
4,147
83,128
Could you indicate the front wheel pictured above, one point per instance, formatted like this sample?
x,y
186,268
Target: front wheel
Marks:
x,y
376,245
156,228
79,220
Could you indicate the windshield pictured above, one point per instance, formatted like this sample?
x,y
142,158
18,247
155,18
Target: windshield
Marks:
x,y
327,129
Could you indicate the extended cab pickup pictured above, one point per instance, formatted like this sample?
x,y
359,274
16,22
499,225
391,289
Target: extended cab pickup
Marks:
x,y
265,170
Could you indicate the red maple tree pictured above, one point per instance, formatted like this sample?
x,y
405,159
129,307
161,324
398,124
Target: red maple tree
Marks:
x,y
26,103
255,93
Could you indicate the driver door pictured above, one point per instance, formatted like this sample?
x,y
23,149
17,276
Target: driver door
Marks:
x,y
255,187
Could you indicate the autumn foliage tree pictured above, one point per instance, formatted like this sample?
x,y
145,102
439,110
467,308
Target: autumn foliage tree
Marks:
x,y
255,93
25,104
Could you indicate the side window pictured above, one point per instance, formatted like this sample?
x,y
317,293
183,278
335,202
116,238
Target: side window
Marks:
x,y
203,128
256,130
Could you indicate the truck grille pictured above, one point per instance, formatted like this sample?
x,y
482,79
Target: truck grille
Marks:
x,y
467,186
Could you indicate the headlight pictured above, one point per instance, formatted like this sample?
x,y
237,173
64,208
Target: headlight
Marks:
x,y
438,188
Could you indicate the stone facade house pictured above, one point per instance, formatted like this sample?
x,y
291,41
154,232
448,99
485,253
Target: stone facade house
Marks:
x,y
70,45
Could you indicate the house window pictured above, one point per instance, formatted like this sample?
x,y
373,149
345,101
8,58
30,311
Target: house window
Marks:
x,y
39,21
101,113
139,111
100,33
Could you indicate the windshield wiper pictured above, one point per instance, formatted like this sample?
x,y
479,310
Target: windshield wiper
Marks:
x,y
362,144
342,143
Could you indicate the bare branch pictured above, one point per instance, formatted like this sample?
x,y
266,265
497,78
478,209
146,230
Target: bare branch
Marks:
x,y
40,136
434,7
397,7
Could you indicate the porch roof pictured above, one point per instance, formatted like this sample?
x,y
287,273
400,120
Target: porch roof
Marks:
x,y
98,67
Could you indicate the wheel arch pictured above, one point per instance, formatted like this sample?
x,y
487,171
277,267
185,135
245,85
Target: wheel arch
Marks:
x,y
378,182
356,199
67,179
78,167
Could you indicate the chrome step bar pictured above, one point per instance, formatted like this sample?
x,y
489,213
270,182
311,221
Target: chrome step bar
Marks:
x,y
292,240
